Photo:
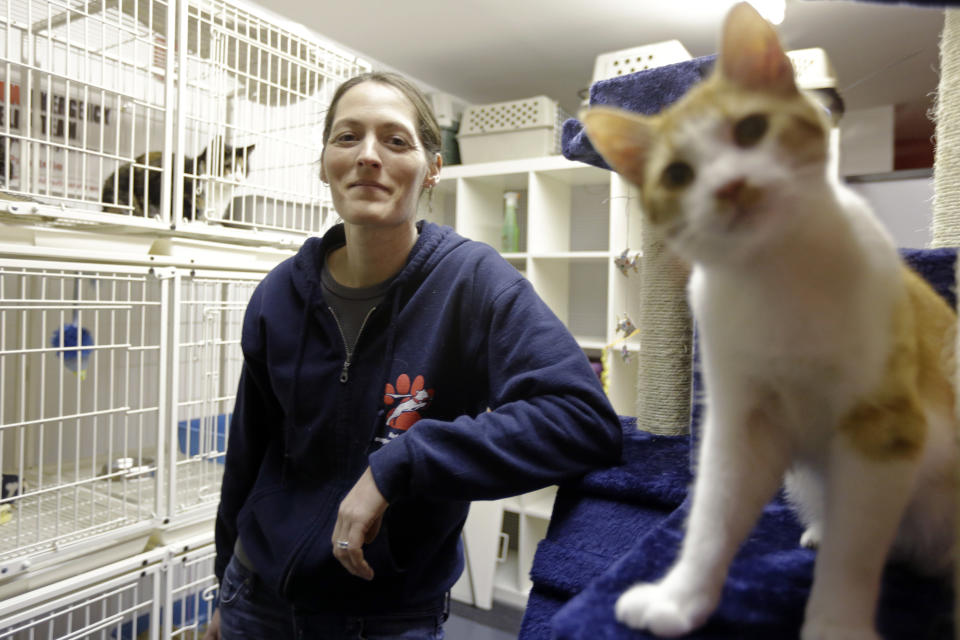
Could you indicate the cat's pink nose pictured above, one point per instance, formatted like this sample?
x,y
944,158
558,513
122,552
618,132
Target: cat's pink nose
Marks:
x,y
731,191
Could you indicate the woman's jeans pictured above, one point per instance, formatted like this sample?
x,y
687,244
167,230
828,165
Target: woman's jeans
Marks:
x,y
251,611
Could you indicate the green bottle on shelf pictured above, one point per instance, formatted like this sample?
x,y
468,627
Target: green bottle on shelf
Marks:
x,y
510,235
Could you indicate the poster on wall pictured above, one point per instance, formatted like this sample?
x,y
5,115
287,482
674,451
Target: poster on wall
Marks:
x,y
52,133
71,123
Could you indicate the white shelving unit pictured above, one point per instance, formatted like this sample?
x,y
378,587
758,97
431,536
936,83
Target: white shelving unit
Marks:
x,y
574,221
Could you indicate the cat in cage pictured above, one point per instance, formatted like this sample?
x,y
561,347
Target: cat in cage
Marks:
x,y
234,166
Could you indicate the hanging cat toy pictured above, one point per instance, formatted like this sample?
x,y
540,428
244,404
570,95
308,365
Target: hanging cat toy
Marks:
x,y
73,340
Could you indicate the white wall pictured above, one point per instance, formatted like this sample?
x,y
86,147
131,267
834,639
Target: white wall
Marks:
x,y
866,141
904,206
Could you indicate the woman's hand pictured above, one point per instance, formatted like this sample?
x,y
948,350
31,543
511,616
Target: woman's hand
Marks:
x,y
213,629
358,523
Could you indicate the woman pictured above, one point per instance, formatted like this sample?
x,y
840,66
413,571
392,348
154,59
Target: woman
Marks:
x,y
361,430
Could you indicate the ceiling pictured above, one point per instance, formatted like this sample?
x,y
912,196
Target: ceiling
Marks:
x,y
484,51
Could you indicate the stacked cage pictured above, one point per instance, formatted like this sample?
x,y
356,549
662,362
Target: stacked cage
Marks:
x,y
86,89
113,604
156,595
209,314
157,158
251,114
81,349
104,122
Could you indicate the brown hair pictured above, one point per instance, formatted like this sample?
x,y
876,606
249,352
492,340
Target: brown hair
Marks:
x,y
427,128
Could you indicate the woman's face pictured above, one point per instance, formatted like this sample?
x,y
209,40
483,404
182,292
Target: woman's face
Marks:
x,y
373,160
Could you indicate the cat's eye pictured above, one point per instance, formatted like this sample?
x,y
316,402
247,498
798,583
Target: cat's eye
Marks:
x,y
750,130
677,175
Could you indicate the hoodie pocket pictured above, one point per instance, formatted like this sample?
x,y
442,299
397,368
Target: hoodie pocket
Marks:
x,y
379,554
281,527
314,570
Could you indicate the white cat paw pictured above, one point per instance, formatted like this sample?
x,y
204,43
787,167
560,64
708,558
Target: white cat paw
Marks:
x,y
810,539
834,631
658,609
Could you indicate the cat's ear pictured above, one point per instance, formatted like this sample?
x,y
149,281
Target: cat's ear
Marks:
x,y
751,55
623,139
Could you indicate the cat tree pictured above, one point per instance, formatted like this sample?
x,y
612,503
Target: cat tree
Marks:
x,y
946,166
625,524
664,367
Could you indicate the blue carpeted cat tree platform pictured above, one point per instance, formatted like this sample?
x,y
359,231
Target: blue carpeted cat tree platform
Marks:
x,y
623,525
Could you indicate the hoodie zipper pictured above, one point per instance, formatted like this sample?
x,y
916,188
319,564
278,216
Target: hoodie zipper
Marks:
x,y
345,372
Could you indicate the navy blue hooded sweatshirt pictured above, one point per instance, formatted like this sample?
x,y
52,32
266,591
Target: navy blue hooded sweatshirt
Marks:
x,y
459,331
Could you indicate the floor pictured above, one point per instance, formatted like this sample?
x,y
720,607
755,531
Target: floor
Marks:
x,y
469,623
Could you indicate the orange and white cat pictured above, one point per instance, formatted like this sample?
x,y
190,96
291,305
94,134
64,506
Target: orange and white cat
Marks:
x,y
826,360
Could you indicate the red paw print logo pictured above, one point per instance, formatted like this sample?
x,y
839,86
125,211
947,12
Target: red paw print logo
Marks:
x,y
407,401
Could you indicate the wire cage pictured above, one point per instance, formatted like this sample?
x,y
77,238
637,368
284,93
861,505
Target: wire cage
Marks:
x,y
115,608
158,595
81,351
84,90
190,592
210,308
256,96
104,118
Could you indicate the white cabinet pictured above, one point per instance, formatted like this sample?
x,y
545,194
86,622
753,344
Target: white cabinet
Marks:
x,y
574,221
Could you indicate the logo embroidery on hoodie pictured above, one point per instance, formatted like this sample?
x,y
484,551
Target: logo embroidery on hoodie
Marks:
x,y
406,401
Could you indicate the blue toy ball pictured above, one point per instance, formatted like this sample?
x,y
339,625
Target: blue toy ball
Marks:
x,y
70,343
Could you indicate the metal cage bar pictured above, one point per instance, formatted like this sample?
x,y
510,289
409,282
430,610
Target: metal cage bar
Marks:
x,y
190,590
107,607
208,311
164,594
81,348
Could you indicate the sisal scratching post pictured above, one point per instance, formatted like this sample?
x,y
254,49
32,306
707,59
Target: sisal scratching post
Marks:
x,y
946,167
664,367
946,172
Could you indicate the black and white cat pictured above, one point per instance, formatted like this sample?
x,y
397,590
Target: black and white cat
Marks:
x,y
199,177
